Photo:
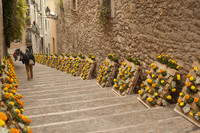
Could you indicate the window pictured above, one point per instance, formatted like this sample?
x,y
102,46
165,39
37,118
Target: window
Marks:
x,y
110,5
73,5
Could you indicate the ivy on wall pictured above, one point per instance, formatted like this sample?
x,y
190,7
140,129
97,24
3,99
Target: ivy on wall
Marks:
x,y
14,19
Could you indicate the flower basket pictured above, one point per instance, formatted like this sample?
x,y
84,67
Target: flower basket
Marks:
x,y
160,88
127,78
107,73
88,69
188,104
77,66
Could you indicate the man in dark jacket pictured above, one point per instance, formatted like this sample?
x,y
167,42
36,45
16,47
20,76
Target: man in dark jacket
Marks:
x,y
29,68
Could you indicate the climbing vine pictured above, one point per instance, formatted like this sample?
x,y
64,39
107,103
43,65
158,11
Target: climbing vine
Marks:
x,y
14,19
104,13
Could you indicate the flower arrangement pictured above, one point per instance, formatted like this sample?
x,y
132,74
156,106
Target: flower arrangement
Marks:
x,y
75,67
127,77
104,71
160,80
165,59
13,100
68,65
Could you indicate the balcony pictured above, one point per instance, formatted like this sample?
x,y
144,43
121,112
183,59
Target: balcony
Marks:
x,y
35,29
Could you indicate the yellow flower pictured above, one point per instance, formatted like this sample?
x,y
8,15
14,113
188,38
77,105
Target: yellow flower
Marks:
x,y
162,81
120,88
22,110
191,114
12,103
6,89
152,64
115,80
125,72
153,75
178,77
180,94
150,99
182,104
155,94
147,88
2,123
192,87
17,110
195,68
174,89
169,97
191,78
177,67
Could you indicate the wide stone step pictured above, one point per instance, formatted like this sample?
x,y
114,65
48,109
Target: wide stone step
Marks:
x,y
58,90
90,90
107,121
52,108
85,113
171,125
72,81
68,99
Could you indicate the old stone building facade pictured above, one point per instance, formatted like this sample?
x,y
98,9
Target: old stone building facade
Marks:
x,y
140,28
2,45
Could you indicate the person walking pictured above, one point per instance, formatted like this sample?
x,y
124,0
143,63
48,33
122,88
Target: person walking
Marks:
x,y
15,55
29,61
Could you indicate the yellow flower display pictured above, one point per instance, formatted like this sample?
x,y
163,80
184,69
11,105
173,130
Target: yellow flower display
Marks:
x,y
2,123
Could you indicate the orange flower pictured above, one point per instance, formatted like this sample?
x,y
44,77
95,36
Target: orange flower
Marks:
x,y
188,76
24,119
196,100
154,67
29,131
149,90
179,100
7,85
3,116
188,84
161,71
153,85
159,77
14,130
141,85
199,114
149,72
187,97
29,121
20,115
124,85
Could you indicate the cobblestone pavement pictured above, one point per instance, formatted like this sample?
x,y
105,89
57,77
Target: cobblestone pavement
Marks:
x,y
56,102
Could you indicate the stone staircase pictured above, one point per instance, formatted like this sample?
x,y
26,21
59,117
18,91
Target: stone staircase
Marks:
x,y
56,102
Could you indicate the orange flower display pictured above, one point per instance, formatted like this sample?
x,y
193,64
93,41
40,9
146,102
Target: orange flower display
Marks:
x,y
187,97
14,130
188,84
154,85
196,100
179,100
3,116
188,76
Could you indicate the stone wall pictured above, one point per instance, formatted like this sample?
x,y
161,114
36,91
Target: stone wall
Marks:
x,y
141,28
2,45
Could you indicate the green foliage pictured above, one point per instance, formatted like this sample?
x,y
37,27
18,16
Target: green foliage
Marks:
x,y
81,56
135,61
104,14
67,54
74,56
60,4
91,56
14,13
112,58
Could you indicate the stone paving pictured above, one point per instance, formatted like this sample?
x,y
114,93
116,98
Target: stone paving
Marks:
x,y
56,102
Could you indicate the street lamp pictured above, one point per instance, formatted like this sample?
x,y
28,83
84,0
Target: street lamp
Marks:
x,y
47,11
49,14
